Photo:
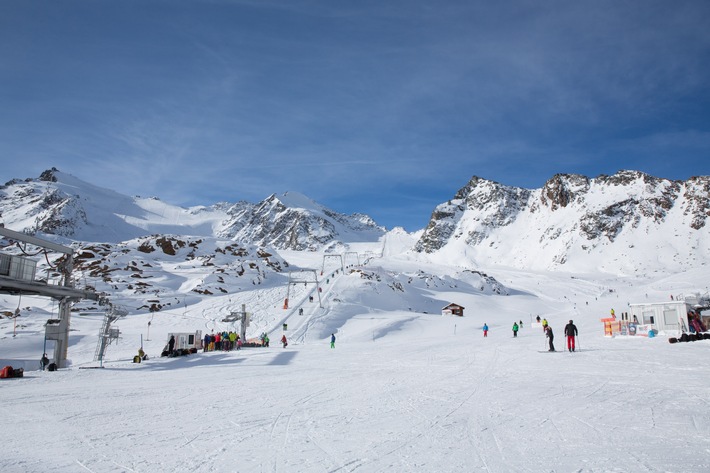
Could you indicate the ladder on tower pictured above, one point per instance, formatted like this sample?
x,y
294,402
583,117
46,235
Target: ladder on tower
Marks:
x,y
108,334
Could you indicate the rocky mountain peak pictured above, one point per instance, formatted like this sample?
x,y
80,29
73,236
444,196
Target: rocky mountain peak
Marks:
x,y
562,189
574,220
49,175
61,204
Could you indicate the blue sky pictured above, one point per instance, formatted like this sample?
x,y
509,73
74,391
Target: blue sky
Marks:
x,y
385,108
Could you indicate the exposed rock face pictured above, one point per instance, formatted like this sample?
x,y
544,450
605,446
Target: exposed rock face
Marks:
x,y
696,202
143,266
487,203
273,223
562,190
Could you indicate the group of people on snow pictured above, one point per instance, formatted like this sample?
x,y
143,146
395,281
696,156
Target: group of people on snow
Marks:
x,y
570,332
224,341
264,337
284,341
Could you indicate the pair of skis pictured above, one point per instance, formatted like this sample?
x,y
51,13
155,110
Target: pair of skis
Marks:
x,y
576,345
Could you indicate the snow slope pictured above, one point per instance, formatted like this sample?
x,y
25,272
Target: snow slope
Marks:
x,y
405,389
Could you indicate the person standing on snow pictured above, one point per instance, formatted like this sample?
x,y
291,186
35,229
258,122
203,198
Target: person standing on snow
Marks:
x,y
171,343
570,332
332,340
284,341
515,329
44,361
551,336
485,329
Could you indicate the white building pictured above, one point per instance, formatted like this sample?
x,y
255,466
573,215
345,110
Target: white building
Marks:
x,y
670,317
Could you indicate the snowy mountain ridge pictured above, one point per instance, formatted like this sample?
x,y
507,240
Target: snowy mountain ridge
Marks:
x,y
57,203
629,222
575,223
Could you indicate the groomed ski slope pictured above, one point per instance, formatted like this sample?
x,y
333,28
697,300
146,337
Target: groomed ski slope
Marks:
x,y
402,391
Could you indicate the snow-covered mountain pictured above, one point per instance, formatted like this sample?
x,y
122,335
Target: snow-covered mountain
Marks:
x,y
57,203
625,223
295,222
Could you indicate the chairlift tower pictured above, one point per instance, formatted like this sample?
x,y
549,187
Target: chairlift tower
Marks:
x,y
368,256
302,277
108,334
340,257
19,280
244,317
357,257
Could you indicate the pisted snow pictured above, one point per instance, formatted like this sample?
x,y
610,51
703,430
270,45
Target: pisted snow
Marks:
x,y
402,391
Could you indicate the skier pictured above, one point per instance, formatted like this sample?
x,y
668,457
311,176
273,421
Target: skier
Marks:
x,y
538,319
171,343
521,324
44,361
485,329
266,340
551,336
332,340
515,329
284,341
570,332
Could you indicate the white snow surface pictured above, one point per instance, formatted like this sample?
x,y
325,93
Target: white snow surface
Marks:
x,y
405,389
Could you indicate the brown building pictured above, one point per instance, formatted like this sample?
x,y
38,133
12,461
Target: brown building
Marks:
x,y
453,309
